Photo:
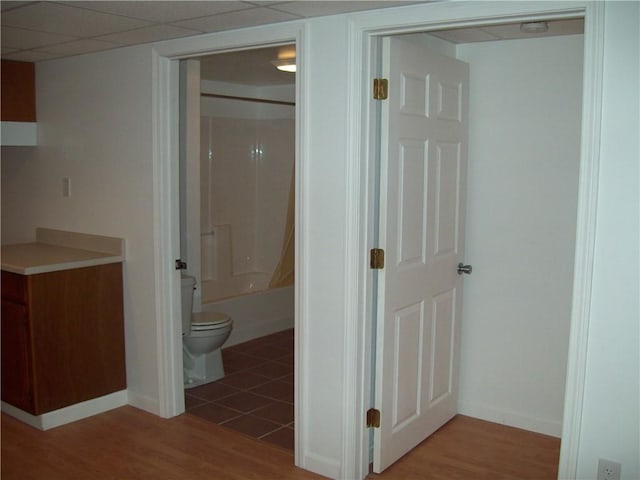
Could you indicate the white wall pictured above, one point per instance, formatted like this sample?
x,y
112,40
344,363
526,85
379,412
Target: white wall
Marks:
x,y
324,228
524,151
94,124
611,422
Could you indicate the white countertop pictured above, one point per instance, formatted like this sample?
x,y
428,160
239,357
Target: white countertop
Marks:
x,y
64,251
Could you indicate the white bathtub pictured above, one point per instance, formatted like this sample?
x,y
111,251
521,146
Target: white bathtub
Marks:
x,y
230,286
254,314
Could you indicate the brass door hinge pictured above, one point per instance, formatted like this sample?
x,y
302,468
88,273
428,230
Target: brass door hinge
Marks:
x,y
380,88
377,258
373,418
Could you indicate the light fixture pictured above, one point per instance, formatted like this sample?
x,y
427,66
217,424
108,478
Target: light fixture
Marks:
x,y
285,64
534,27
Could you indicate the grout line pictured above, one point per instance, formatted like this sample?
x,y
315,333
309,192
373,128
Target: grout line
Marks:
x,y
269,433
276,341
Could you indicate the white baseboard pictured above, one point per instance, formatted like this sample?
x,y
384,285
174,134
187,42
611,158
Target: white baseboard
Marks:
x,y
321,465
511,419
145,403
68,414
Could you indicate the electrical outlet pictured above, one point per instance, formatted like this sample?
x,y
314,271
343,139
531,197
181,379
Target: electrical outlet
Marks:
x,y
608,470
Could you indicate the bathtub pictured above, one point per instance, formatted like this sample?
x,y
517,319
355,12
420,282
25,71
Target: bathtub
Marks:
x,y
255,313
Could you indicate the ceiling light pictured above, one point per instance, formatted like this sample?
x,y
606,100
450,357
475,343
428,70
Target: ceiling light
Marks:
x,y
534,27
285,64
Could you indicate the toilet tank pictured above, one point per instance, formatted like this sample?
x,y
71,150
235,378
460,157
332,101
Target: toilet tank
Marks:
x,y
188,284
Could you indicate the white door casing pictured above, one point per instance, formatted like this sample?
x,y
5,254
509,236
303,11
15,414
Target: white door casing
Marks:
x,y
422,199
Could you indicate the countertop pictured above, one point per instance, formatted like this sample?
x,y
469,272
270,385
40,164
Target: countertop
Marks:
x,y
56,250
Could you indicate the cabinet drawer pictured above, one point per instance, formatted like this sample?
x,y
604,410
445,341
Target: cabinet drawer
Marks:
x,y
14,287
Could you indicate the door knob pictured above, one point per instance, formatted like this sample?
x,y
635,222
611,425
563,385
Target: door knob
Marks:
x,y
462,268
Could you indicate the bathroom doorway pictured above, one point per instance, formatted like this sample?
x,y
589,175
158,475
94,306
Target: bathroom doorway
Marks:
x,y
237,212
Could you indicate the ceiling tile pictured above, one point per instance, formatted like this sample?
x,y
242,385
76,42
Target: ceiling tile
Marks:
x,y
163,12
317,8
63,19
23,39
78,47
260,3
149,34
29,56
6,5
242,18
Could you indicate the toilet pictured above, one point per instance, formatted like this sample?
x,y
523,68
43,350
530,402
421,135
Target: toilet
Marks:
x,y
203,335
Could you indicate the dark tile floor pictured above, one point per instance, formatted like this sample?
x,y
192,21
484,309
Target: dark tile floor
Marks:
x,y
256,395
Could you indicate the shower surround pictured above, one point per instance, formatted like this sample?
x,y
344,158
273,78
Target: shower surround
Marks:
x,y
246,167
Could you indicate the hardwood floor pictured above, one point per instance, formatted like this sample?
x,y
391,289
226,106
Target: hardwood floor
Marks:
x,y
470,449
128,443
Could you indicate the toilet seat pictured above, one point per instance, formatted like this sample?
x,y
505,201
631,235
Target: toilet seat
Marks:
x,y
209,321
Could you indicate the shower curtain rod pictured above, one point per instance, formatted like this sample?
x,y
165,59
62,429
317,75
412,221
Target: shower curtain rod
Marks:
x,y
247,99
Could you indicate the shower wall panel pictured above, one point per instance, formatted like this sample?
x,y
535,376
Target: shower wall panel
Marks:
x,y
246,168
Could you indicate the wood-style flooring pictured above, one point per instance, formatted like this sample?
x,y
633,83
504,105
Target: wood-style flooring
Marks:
x,y
470,449
128,443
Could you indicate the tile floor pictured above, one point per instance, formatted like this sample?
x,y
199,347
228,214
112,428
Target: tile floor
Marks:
x,y
256,395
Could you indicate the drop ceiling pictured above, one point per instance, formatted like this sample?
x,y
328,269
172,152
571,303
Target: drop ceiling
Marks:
x,y
38,31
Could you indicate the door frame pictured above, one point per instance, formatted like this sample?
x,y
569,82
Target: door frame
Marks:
x,y
165,129
364,33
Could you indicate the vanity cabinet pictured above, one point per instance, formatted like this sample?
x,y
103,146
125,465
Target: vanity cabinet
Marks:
x,y
62,337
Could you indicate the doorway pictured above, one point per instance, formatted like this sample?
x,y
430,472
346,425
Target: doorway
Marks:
x,y
325,417
514,194
237,233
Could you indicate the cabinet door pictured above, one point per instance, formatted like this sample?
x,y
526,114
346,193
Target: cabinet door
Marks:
x,y
16,357
77,333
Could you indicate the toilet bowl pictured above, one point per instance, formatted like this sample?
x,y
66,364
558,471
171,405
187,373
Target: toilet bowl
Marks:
x,y
203,335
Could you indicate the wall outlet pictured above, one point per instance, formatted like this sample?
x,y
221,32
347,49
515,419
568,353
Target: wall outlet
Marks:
x,y
608,470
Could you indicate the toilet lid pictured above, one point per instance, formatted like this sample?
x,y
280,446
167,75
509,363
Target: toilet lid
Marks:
x,y
207,320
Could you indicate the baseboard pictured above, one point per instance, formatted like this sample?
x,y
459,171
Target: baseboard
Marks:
x,y
321,465
69,414
145,403
511,419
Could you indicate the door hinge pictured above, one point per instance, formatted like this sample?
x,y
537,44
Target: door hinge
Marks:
x,y
373,418
377,258
180,265
380,88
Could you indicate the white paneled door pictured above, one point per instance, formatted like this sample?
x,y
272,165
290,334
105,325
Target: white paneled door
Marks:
x,y
423,183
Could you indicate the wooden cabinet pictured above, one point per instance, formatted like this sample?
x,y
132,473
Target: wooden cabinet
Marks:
x,y
62,337
18,92
16,380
